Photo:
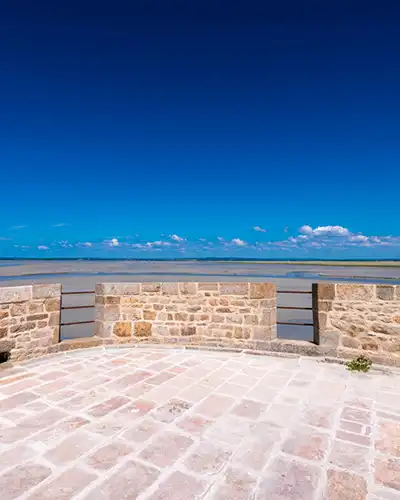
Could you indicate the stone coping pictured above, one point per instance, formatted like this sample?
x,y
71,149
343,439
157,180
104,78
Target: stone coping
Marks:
x,y
279,348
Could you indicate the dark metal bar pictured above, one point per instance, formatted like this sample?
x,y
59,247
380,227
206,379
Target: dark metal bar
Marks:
x,y
293,323
78,293
76,323
295,307
294,291
76,307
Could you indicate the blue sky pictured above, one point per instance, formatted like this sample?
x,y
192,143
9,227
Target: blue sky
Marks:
x,y
126,124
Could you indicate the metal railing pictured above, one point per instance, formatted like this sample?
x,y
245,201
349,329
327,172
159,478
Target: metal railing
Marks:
x,y
294,308
68,308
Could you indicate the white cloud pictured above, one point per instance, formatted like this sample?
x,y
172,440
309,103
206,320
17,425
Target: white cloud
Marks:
x,y
43,247
177,238
334,237
61,224
324,230
87,244
220,238
259,229
306,230
239,242
19,227
158,243
358,237
114,242
64,244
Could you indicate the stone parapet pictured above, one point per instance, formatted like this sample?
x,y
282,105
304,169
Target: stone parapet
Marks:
x,y
29,320
234,313
356,318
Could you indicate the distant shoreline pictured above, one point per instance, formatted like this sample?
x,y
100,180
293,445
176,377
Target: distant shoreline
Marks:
x,y
314,262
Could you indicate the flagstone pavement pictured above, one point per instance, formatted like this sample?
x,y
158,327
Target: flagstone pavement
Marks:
x,y
174,424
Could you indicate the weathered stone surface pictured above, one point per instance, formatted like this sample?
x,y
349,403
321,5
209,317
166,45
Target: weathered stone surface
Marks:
x,y
363,318
354,292
170,288
13,294
51,305
326,291
211,287
143,329
342,485
151,287
229,288
387,472
123,329
262,291
188,288
385,292
149,315
45,291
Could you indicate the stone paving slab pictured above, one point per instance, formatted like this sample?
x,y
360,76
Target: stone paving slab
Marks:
x,y
152,423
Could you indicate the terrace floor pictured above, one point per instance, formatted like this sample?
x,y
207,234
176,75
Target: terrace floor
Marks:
x,y
170,424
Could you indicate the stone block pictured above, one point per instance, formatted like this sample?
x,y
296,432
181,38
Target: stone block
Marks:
x,y
83,343
330,338
54,319
238,288
112,300
210,287
12,294
287,475
149,315
306,442
387,472
108,313
37,317
22,327
354,292
122,329
45,291
143,329
261,333
188,288
350,342
325,291
102,329
3,331
151,287
50,305
5,313
268,317
262,290
170,289
385,292
325,305
188,330
6,345
388,438
343,485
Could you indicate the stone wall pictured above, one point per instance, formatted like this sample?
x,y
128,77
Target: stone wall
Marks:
x,y
356,319
224,314
29,320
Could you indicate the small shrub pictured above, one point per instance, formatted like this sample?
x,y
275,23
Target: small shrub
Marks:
x,y
360,364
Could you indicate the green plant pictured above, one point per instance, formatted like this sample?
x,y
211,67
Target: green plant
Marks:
x,y
360,364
